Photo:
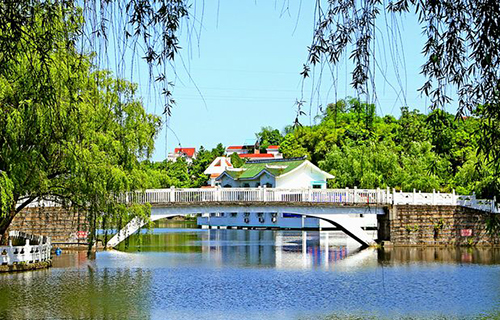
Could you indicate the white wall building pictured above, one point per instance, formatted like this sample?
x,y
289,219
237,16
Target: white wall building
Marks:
x,y
275,173
217,167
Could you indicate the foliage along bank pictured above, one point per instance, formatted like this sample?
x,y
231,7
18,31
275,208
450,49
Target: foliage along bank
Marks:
x,y
362,149
67,130
415,151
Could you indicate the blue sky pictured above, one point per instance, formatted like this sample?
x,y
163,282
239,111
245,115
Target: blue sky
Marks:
x,y
239,70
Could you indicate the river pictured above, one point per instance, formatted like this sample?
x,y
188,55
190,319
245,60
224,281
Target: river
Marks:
x,y
257,274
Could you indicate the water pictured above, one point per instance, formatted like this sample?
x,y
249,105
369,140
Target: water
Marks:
x,y
257,274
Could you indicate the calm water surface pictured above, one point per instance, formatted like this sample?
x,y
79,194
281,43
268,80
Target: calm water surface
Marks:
x,y
257,274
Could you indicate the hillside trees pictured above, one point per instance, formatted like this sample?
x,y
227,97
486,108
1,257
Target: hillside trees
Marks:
x,y
413,152
68,132
461,50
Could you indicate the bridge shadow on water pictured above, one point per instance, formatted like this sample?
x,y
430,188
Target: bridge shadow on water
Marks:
x,y
257,274
251,248
292,249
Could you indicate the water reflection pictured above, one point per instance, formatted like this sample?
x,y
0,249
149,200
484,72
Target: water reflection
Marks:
x,y
250,248
84,293
294,249
401,255
257,274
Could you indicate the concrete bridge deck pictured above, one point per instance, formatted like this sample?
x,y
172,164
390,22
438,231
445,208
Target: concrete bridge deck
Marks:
x,y
333,205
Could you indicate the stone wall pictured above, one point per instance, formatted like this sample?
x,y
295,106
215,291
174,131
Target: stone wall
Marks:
x,y
421,225
405,254
61,225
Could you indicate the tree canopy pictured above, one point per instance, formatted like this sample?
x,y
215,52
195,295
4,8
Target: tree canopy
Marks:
x,y
180,173
72,132
462,52
68,132
368,151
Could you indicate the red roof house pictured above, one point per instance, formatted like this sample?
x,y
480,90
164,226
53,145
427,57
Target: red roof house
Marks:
x,y
189,152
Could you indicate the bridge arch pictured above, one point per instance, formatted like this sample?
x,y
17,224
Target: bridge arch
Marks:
x,y
335,215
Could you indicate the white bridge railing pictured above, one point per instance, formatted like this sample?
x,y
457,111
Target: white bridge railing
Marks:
x,y
348,196
341,196
27,253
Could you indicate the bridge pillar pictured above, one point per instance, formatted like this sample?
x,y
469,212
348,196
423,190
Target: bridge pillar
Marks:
x,y
349,226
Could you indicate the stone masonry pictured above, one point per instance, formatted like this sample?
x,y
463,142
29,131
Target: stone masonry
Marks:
x,y
428,225
60,224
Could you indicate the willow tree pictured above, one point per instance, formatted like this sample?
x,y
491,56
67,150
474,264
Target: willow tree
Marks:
x,y
68,132
115,30
461,50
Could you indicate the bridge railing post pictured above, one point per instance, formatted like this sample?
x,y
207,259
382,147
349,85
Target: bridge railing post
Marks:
x,y
218,194
355,197
378,196
172,194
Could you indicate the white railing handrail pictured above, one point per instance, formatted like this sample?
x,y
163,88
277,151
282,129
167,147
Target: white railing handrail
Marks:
x,y
346,196
27,253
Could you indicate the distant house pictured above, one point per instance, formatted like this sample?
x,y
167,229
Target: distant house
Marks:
x,y
275,173
236,149
256,156
274,150
217,167
187,153
247,147
250,150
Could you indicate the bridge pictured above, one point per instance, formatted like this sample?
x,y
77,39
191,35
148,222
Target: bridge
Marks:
x,y
336,206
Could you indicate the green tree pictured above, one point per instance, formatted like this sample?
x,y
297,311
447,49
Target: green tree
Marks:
x,y
236,161
67,132
6,197
290,147
202,161
408,153
268,137
461,49
28,26
369,165
412,127
218,151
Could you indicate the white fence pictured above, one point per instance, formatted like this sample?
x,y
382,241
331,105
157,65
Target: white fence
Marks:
x,y
341,196
347,196
27,253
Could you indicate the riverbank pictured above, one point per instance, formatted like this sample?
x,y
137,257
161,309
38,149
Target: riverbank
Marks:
x,y
25,266
431,226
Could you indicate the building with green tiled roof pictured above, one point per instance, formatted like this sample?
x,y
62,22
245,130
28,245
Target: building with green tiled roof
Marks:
x,y
275,173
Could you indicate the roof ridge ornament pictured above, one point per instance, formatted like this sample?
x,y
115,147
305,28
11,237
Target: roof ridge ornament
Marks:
x,y
270,166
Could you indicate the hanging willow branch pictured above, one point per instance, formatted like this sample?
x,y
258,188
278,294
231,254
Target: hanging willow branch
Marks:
x,y
462,52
